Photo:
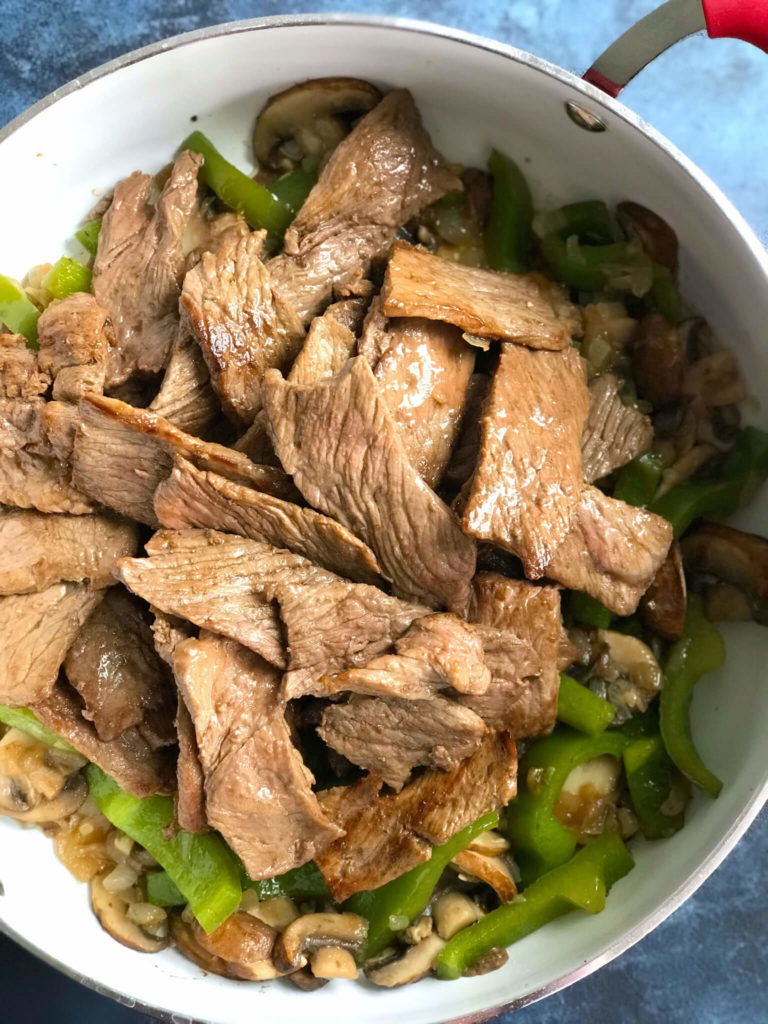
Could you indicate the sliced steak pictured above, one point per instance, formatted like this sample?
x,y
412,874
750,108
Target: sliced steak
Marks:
x,y
385,835
333,625
190,781
31,473
37,550
524,308
528,479
219,582
21,375
37,631
327,347
60,421
114,667
339,442
186,398
612,552
391,737
423,368
121,454
134,765
467,448
243,325
167,631
379,177
140,266
193,498
75,339
614,433
257,790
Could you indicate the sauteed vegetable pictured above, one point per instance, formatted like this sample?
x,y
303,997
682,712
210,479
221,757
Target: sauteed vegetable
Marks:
x,y
327,494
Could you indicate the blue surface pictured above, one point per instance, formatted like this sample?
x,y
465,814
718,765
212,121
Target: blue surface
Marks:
x,y
708,964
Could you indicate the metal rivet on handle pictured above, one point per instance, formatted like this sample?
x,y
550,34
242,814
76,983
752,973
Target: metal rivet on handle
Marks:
x,y
585,118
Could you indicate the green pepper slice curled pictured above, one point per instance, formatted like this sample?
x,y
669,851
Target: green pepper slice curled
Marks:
x,y
638,481
650,773
66,277
578,707
88,235
508,233
302,883
17,312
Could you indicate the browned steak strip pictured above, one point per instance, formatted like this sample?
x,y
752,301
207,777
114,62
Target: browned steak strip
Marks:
x,y
614,432
21,375
186,398
75,339
190,781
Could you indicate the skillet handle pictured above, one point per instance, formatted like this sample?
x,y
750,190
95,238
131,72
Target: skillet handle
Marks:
x,y
667,25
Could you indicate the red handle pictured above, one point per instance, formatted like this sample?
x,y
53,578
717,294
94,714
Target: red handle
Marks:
x,y
738,19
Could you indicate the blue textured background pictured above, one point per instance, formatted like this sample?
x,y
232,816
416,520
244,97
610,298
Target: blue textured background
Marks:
x,y
708,964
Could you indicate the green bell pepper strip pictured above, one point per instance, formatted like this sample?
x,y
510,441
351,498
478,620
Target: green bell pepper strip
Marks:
x,y
239,192
202,867
699,650
578,707
649,773
302,883
162,890
638,481
17,312
88,236
589,220
66,277
539,841
665,296
582,883
592,267
26,721
407,896
294,187
508,232
586,609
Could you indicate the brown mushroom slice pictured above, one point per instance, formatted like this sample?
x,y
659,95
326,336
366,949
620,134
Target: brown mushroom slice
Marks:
x,y
415,964
628,674
34,788
652,232
492,870
333,962
314,114
734,557
658,360
111,910
244,943
491,843
724,603
663,605
187,944
307,934
490,961
453,911
277,912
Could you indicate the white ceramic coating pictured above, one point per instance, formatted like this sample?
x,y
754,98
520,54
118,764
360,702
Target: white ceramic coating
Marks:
x,y
472,93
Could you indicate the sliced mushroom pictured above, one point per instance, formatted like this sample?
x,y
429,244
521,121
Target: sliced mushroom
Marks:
x,y
652,232
587,801
414,964
112,911
724,603
658,360
306,981
626,673
187,944
491,842
453,911
418,930
491,870
244,943
277,912
313,116
715,379
490,961
34,789
664,602
333,962
734,557
311,932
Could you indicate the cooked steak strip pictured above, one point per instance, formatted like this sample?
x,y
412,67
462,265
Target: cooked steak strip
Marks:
x,y
190,781
193,498
327,347
524,308
75,339
612,552
390,737
219,582
242,323
529,478
379,177
186,398
140,266
31,474
114,667
333,625
37,631
129,760
167,631
257,790
385,834
21,375
60,421
37,550
339,442
121,454
614,433
467,448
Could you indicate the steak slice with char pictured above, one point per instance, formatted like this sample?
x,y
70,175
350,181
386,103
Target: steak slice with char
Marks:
x,y
21,375
114,667
122,453
190,780
243,325
220,583
186,398
524,308
37,631
528,479
390,737
193,498
614,432
75,339
257,790
338,441
376,179
327,347
140,265
37,550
